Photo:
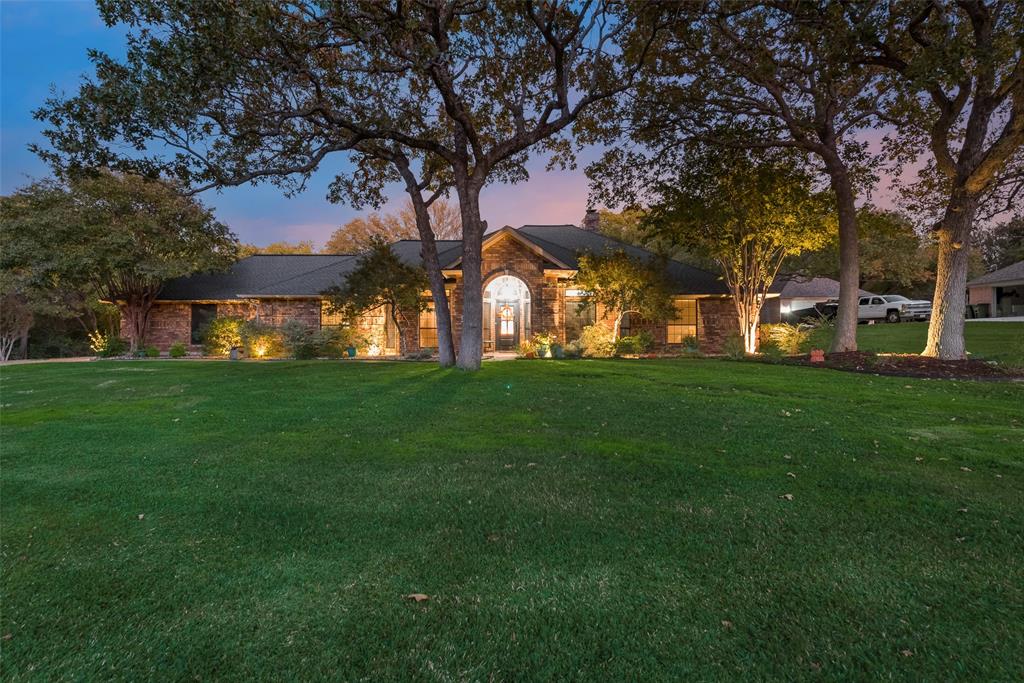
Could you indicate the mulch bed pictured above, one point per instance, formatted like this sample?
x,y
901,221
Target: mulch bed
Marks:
x,y
913,365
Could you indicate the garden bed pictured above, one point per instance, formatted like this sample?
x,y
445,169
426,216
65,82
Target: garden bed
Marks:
x,y
913,365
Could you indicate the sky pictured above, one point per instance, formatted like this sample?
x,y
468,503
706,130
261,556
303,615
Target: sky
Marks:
x,y
44,43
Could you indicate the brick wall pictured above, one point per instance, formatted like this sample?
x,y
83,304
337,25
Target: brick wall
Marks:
x,y
717,321
169,323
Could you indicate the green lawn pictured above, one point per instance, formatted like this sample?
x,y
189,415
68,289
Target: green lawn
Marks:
x,y
579,520
1003,342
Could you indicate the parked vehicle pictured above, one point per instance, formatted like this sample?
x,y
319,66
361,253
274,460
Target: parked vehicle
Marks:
x,y
891,308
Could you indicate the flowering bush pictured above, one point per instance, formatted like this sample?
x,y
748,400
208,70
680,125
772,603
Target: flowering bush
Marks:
x,y
107,345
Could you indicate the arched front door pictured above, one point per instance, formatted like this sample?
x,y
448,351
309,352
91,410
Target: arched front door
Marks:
x,y
506,313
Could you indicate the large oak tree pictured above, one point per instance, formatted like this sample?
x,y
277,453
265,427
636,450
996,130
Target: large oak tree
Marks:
x,y
250,91
959,72
755,75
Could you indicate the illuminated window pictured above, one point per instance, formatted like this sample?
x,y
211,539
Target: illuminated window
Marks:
x,y
684,322
507,317
329,318
428,328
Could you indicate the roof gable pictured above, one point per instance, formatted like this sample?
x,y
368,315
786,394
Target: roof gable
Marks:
x,y
523,240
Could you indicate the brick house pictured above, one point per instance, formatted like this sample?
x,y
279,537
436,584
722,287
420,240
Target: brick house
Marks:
x,y
998,294
528,289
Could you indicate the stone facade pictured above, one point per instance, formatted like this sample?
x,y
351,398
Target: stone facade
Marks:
x,y
170,322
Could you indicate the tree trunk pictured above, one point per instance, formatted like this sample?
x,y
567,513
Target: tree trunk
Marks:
x,y
23,342
428,252
946,327
442,310
471,341
137,314
845,338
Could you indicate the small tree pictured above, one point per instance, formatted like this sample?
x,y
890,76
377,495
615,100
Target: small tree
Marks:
x,y
622,284
748,216
119,236
381,279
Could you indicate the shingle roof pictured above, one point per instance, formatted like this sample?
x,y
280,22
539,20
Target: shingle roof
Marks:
x,y
307,275
797,286
1010,273
262,274
567,242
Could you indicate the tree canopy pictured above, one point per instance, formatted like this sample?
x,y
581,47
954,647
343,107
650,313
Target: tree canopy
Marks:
x,y
957,76
357,234
746,214
121,236
623,285
754,76
246,93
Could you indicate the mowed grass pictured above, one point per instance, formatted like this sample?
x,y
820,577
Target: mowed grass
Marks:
x,y
616,520
1001,342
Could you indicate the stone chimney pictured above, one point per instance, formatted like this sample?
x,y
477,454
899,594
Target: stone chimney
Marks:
x,y
591,221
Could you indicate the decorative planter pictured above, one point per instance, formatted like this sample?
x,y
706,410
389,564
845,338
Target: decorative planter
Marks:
x,y
351,351
233,353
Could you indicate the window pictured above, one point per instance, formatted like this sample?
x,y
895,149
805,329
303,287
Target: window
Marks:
x,y
875,301
684,323
330,318
202,314
428,328
864,301
579,313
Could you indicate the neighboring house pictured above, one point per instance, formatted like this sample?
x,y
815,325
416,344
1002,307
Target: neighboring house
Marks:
x,y
798,293
527,286
999,293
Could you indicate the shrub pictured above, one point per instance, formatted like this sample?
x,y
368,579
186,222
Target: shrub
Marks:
x,y
690,344
733,347
573,350
596,342
542,342
222,334
526,349
635,344
107,345
300,341
152,352
331,342
557,350
177,350
787,338
771,350
261,340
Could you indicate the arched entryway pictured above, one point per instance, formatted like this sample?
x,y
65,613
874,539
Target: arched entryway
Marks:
x,y
506,313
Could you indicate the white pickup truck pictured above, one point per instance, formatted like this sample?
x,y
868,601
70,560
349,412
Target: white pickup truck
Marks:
x,y
893,308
